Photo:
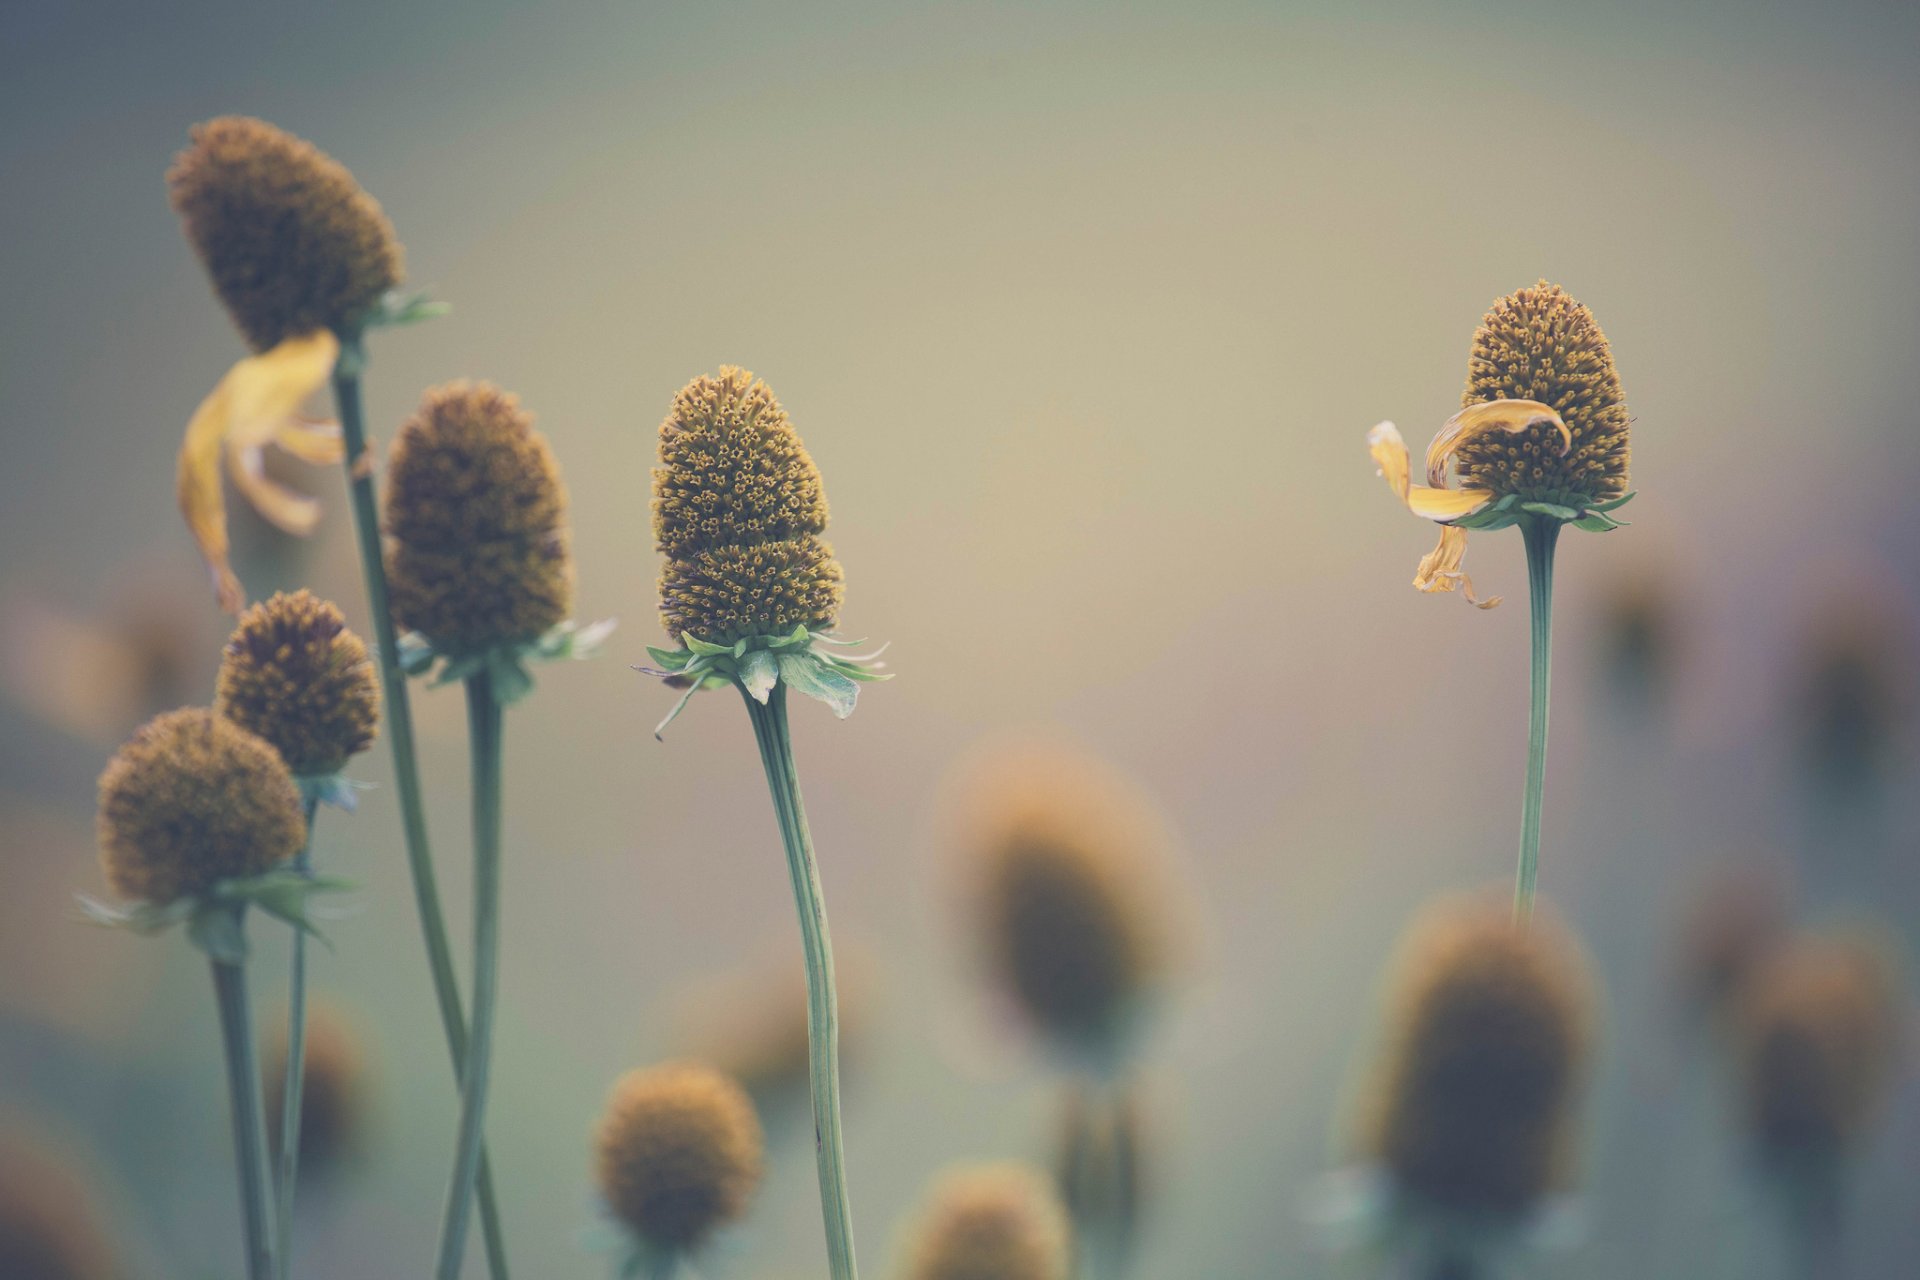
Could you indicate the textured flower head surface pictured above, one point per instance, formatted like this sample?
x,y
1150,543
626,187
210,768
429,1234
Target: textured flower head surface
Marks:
x,y
990,1222
190,800
1541,434
476,512
1488,1039
1819,1035
290,240
679,1154
295,675
738,510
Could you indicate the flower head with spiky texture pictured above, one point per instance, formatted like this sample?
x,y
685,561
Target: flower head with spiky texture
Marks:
x,y
295,675
1488,1034
749,587
678,1155
990,1222
1541,434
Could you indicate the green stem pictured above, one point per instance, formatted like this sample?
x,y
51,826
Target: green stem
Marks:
x,y
294,1079
483,733
249,1118
406,767
1540,535
823,1017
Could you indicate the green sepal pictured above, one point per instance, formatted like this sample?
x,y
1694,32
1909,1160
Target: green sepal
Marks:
x,y
1494,517
1598,522
759,672
509,677
757,664
1552,509
507,664
704,648
281,893
143,918
396,308
215,928
335,789
415,652
211,919
1613,504
809,674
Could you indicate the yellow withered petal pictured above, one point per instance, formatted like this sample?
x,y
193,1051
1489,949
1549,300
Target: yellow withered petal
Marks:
x,y
1440,569
254,405
1389,452
1476,420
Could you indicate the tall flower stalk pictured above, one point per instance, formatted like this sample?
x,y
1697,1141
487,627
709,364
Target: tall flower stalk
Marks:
x,y
265,1243
750,592
1541,441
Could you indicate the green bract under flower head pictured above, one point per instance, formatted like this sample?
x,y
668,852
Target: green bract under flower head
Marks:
x,y
292,242
191,800
295,675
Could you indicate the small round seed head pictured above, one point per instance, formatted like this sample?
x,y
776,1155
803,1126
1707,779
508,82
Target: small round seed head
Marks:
x,y
1819,1035
477,514
292,242
190,800
1539,344
732,470
678,1154
332,1093
1489,1026
723,593
49,1226
295,675
1073,918
990,1222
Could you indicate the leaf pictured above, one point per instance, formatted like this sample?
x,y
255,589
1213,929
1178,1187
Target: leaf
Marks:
x,y
455,670
1553,509
415,653
511,680
758,674
703,647
800,635
807,674
1598,522
215,928
678,707
1614,504
395,309
335,789
671,659
822,637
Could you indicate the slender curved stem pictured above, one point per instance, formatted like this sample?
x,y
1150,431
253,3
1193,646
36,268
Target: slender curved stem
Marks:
x,y
823,1016
406,767
483,733
294,1079
1540,535
249,1118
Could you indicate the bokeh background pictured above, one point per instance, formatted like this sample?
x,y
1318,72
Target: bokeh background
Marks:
x,y
1083,312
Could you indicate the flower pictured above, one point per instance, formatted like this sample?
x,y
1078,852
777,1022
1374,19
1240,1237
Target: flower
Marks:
x,y
332,1094
990,1222
679,1154
1541,432
476,511
295,675
1488,1036
190,800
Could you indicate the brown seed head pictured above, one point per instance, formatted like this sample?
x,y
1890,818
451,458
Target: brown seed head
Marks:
x,y
49,1226
678,1153
738,510
292,242
1736,920
990,1222
295,675
1488,1036
1819,1035
1855,698
1074,919
477,514
332,1093
192,799
1539,344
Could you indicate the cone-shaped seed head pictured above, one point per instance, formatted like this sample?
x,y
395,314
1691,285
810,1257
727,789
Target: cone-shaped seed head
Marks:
x,y
1486,1053
990,1222
678,1154
193,799
292,242
295,675
738,510
1819,1034
477,515
1539,344
332,1094
49,1227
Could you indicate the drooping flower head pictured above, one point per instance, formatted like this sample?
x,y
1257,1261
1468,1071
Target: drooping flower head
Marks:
x,y
990,1222
738,510
678,1155
333,1102
193,799
1541,433
295,675
477,516
1488,1037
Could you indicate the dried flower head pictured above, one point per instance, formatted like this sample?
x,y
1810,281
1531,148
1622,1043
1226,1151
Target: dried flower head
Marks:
x,y
990,1222
332,1090
49,1226
477,514
1074,918
1819,1035
295,675
1488,1034
190,800
292,242
678,1154
738,510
